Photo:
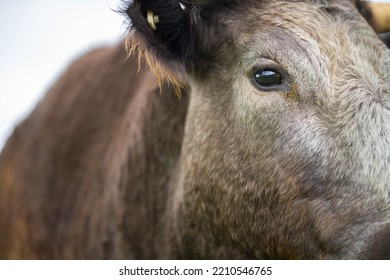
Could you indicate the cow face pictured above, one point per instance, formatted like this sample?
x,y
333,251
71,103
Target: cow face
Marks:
x,y
286,149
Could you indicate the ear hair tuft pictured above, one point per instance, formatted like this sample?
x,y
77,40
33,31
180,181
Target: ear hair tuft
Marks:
x,y
169,72
161,35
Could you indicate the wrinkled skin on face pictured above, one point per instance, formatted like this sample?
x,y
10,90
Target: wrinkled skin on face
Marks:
x,y
300,170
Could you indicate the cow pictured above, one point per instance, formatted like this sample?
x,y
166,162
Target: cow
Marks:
x,y
220,129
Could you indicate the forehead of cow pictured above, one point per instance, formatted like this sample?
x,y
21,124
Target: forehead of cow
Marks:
x,y
288,22
241,2
341,9
307,15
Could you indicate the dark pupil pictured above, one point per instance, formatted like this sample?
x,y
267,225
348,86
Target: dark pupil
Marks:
x,y
268,78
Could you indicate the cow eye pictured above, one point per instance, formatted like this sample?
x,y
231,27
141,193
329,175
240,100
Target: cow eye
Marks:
x,y
268,78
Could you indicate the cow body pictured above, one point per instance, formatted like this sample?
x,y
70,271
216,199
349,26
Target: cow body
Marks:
x,y
120,149
111,164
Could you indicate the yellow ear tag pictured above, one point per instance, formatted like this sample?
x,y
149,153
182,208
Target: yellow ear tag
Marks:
x,y
152,19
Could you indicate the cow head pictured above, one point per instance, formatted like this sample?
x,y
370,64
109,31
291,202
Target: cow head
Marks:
x,y
286,152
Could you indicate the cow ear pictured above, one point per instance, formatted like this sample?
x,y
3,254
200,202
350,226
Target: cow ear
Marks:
x,y
161,34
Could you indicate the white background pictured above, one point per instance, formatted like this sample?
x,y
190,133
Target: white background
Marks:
x,y
281,270
39,39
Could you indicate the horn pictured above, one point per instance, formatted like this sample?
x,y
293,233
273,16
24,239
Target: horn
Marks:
x,y
381,16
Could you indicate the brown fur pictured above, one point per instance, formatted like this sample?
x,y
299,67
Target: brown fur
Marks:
x,y
112,165
78,176
164,74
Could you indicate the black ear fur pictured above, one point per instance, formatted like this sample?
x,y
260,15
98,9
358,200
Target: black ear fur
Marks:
x,y
172,38
169,47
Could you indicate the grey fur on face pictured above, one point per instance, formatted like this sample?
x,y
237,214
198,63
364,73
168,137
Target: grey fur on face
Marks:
x,y
313,154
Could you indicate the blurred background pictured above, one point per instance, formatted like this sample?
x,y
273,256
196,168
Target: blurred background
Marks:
x,y
39,39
